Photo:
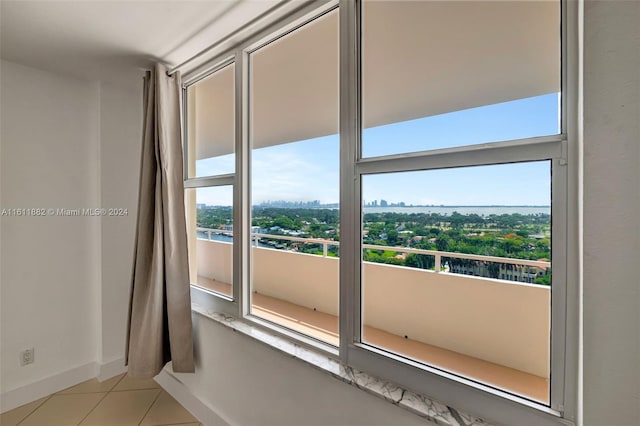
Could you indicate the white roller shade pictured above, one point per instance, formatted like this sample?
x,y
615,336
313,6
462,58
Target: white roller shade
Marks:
x,y
212,100
294,85
422,58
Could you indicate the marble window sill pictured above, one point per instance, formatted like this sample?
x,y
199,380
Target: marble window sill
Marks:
x,y
423,406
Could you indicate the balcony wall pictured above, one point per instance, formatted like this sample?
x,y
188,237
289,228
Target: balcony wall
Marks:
x,y
215,260
498,321
304,279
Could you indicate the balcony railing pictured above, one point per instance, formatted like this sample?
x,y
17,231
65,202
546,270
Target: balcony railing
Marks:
x,y
438,255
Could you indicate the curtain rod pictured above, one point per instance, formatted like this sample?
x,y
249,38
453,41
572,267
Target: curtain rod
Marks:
x,y
228,36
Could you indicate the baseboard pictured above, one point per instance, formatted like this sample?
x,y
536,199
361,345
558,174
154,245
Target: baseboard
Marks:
x,y
202,411
57,382
111,369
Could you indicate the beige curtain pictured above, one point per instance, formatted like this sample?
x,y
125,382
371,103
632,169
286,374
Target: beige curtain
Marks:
x,y
160,327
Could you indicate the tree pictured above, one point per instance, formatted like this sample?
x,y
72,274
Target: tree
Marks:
x,y
442,243
392,237
284,223
421,261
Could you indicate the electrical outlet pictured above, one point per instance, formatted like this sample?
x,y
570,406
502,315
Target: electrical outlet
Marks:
x,y
28,356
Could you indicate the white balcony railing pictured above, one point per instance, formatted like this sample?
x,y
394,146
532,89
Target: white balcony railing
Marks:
x,y
438,255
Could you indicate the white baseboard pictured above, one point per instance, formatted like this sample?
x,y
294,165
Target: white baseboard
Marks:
x,y
57,382
111,369
202,411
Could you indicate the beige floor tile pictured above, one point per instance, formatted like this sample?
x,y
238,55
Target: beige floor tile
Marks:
x,y
93,385
127,383
125,408
63,410
15,416
180,424
167,410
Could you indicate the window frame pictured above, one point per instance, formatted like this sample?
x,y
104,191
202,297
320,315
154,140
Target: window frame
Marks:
x,y
240,305
253,46
563,151
223,303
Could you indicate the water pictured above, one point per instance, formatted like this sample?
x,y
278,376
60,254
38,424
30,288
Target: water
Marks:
x,y
226,238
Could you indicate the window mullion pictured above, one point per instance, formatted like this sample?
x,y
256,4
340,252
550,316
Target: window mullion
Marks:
x,y
567,253
349,184
559,291
242,195
185,126
221,180
496,153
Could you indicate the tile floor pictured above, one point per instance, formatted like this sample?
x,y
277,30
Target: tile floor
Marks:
x,y
120,401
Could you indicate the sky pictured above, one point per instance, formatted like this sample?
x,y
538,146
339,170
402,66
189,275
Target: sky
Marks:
x,y
309,170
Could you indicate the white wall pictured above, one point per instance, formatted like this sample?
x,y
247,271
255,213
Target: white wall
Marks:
x,y
247,383
50,275
66,143
611,213
120,144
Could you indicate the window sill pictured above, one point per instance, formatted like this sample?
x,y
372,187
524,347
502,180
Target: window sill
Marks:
x,y
420,405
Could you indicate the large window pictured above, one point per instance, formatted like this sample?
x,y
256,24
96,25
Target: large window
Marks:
x,y
464,253
448,221
294,100
389,182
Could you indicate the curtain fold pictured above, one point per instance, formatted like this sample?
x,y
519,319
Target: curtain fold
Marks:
x,y
160,328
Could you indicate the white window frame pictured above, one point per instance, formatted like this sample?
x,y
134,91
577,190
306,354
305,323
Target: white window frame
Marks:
x,y
240,305
250,48
222,302
562,150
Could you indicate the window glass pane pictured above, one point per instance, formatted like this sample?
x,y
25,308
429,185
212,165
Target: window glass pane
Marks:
x,y
295,185
457,271
446,74
210,235
211,124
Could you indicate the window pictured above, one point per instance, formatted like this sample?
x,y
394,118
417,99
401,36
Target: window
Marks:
x,y
390,183
210,219
442,78
436,252
209,168
294,96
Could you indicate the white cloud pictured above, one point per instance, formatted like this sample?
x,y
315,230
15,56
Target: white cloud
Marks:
x,y
287,175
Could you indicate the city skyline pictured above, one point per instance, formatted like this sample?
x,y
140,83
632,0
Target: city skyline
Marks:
x,y
366,204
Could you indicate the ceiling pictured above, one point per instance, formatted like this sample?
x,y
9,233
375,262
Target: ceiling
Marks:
x,y
110,40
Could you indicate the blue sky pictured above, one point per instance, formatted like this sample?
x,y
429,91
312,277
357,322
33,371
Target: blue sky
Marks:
x,y
308,170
